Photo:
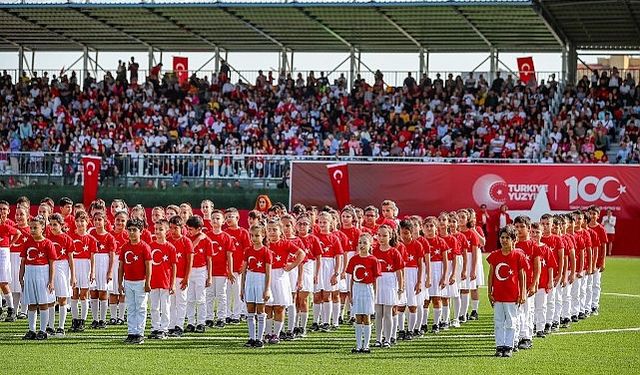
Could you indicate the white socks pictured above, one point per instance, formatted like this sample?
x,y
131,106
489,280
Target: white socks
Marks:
x,y
456,307
95,314
74,309
52,317
44,319
326,312
336,313
436,315
317,309
304,317
84,304
251,323
63,315
475,303
122,307
16,301
412,321
9,298
31,316
359,329
425,316
291,317
277,327
445,313
103,309
464,300
261,326
113,310
270,326
367,336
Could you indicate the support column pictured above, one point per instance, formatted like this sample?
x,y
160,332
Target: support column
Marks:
x,y
358,67
352,68
216,64
564,74
33,62
572,64
493,64
150,61
291,63
20,63
421,64
284,64
85,65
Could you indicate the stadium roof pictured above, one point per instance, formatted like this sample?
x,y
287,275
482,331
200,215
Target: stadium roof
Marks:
x,y
303,26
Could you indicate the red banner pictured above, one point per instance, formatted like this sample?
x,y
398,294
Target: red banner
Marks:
x,y
428,189
181,68
91,169
526,69
339,177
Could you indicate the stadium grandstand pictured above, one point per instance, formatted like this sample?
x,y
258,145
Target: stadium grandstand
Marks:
x,y
145,123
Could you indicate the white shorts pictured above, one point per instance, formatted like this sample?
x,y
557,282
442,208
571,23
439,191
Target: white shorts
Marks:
x,y
5,265
254,287
436,275
83,269
280,288
308,270
115,269
327,270
15,273
387,289
35,290
453,290
363,299
480,279
62,278
411,279
343,284
293,279
101,269
467,283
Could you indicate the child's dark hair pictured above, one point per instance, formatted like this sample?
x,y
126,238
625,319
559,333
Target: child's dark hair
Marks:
x,y
135,223
195,221
509,230
406,224
523,219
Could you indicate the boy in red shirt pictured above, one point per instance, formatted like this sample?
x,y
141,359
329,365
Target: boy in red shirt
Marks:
x,y
601,232
507,289
134,278
163,279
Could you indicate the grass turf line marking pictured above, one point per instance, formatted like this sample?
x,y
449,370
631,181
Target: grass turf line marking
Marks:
x,y
622,295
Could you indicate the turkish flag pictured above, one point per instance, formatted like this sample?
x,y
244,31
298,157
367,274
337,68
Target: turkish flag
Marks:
x,y
181,68
526,69
91,167
339,177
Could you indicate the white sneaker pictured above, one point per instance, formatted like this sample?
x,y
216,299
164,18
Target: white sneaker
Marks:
x,y
455,323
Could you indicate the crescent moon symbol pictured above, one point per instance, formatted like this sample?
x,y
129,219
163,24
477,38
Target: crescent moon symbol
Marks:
x,y
604,195
337,175
126,259
249,259
500,265
29,253
355,272
91,167
214,245
153,258
75,247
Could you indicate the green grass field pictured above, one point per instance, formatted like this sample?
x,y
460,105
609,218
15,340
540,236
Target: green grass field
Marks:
x,y
608,343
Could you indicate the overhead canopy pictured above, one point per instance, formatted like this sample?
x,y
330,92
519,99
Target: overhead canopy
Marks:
x,y
435,26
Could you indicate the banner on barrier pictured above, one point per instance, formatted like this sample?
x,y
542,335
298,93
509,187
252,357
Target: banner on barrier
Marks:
x,y
428,189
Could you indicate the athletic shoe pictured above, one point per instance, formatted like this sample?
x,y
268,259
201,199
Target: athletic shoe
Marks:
x,y
94,324
153,335
541,334
249,344
393,341
385,344
50,331
417,333
595,311
274,340
227,320
352,321
102,324
525,344
302,333
120,322
190,328
80,325
424,328
355,351
508,353
220,323
137,339
365,351
315,327
445,326
162,335
455,323
113,321
333,327
554,326
171,331
574,318
340,320
21,316
474,315
30,335
401,335
235,321
74,325
11,316
289,336
377,344
128,339
514,348
581,316
60,332
408,336
200,328
499,350
258,344
324,327
587,313
282,336
462,319
41,335
435,329
208,323
564,323
547,329
177,332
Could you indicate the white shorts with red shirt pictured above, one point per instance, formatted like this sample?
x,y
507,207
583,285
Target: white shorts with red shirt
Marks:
x,y
82,269
254,287
387,289
308,271
101,269
280,288
5,265
15,273
36,279
62,279
363,299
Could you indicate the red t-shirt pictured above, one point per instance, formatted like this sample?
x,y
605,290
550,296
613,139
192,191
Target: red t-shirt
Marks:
x,y
121,239
6,232
463,243
547,260
330,245
201,250
106,243
555,245
63,244
280,252
83,246
438,248
16,247
453,244
472,237
506,273
38,253
426,248
133,258
364,270
413,254
530,252
183,247
311,246
257,259
241,240
163,257
390,260
353,234
221,244
602,238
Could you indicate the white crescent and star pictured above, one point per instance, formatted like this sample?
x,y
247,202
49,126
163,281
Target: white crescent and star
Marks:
x,y
74,247
29,258
153,257
337,175
355,273
497,271
126,257
249,259
91,167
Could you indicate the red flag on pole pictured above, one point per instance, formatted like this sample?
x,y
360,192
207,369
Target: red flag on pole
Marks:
x,y
91,168
526,69
339,176
181,68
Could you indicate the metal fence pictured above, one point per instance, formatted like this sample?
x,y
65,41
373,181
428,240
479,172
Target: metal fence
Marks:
x,y
154,170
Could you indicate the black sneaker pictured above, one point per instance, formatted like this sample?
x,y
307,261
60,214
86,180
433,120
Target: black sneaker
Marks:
x,y
352,321
581,316
340,320
258,344
190,328
41,335
301,333
408,336
462,319
541,334
113,321
153,335
289,336
445,326
21,316
80,327
282,336
435,329
355,351
274,340
120,322
325,327
74,325
401,335
177,332
377,344
365,351
171,331
595,311
499,351
424,328
315,327
235,321
94,324
514,348
250,343
547,329
128,339
555,326
564,322
393,341
508,352
60,332
526,344
417,333
200,328
11,315
474,315
386,344
227,320
162,335
30,335
102,324
220,323
574,318
50,331
208,323
137,339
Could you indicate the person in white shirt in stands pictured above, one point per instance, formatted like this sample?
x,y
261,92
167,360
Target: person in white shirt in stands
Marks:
x,y
609,222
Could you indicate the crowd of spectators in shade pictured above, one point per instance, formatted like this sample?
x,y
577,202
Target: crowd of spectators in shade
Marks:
x,y
292,114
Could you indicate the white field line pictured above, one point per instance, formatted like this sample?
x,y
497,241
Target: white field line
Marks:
x,y
622,295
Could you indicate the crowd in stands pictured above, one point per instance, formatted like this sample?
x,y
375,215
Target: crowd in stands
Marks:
x,y
466,117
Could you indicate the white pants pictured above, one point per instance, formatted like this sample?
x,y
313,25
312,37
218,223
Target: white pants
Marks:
x,y
583,292
196,297
525,317
178,306
217,292
557,313
234,304
550,310
597,279
575,296
541,309
136,299
566,301
588,300
160,306
505,322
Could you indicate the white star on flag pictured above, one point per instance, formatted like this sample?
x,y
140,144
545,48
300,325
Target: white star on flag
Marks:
x,y
622,189
259,264
165,257
410,257
543,262
63,251
366,273
24,239
510,272
278,257
201,251
540,207
389,267
437,252
101,247
135,257
85,247
40,255
179,255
